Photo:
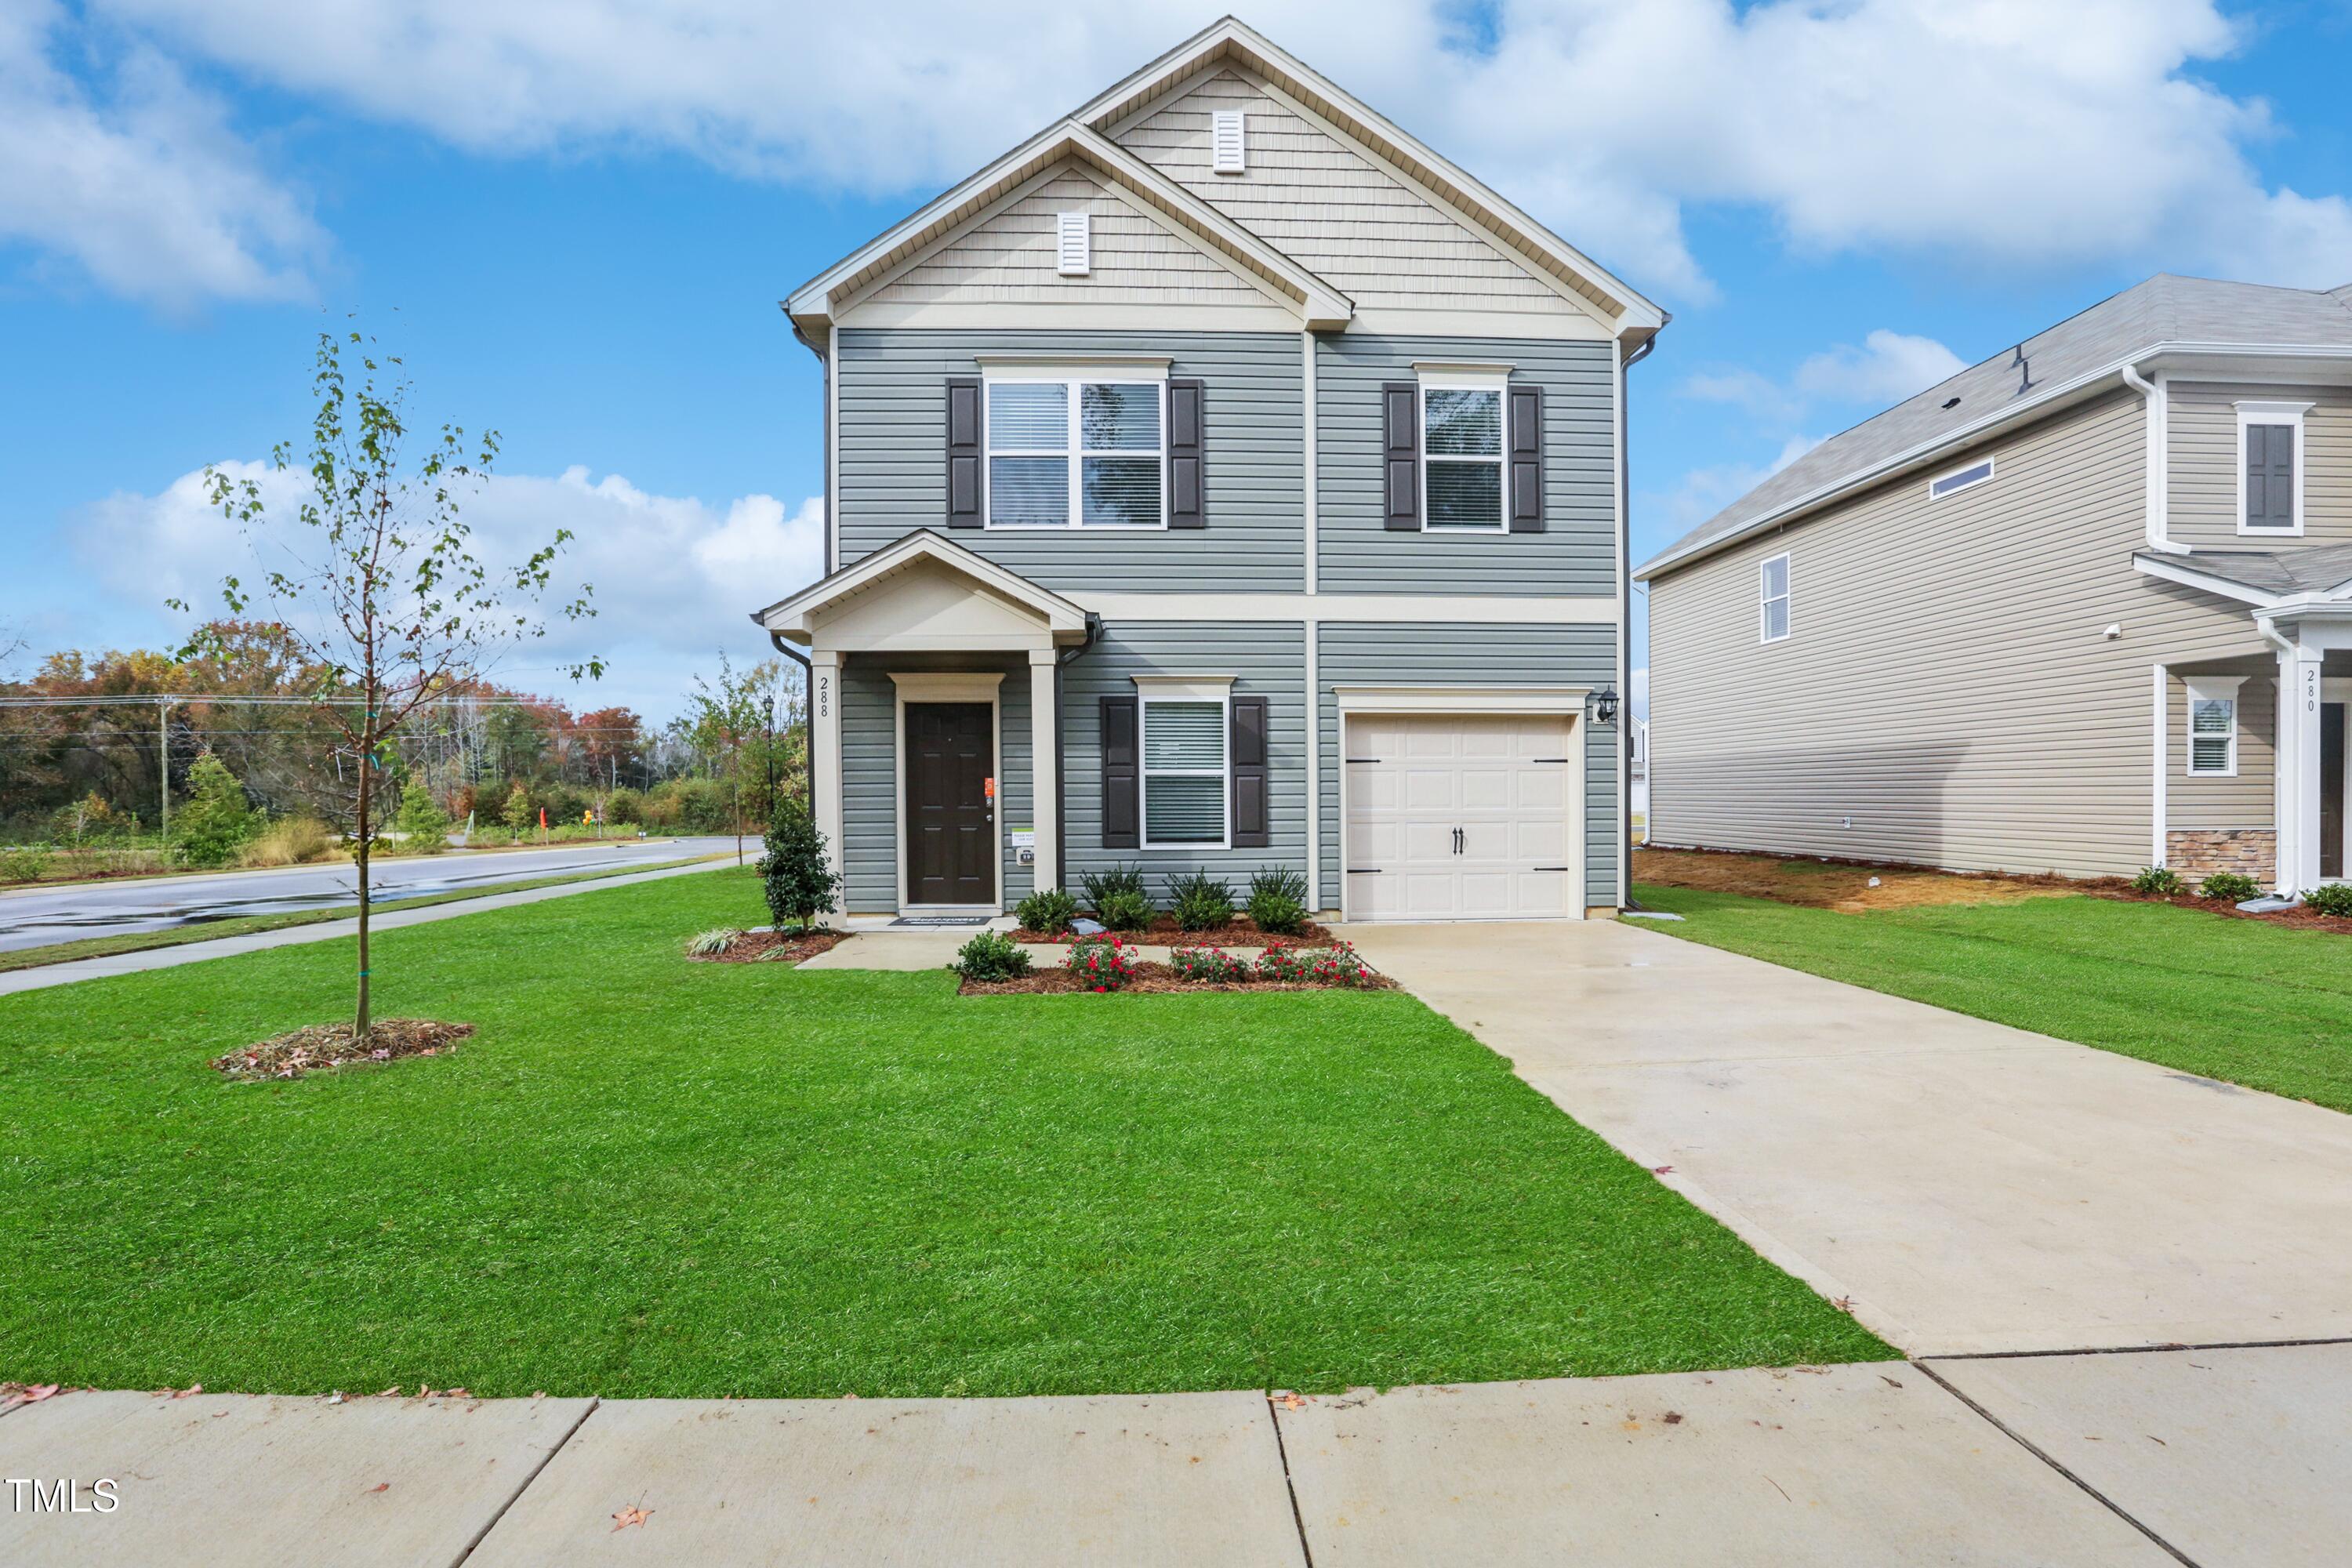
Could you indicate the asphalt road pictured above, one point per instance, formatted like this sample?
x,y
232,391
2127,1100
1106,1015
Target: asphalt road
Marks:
x,y
36,917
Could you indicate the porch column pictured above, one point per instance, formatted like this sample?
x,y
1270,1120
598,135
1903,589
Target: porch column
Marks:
x,y
2298,762
825,750
1045,778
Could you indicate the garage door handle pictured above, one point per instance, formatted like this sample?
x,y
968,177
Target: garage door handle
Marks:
x,y
1363,870
1540,868
1457,841
1364,759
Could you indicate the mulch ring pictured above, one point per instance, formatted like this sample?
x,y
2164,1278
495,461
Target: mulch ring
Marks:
x,y
1150,979
335,1046
1163,932
2301,915
773,947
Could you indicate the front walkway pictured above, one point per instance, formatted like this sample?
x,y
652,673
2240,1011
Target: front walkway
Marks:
x,y
2216,1457
1969,1187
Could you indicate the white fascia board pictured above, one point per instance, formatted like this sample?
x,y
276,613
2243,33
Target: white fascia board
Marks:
x,y
1636,313
2173,357
2173,569
790,616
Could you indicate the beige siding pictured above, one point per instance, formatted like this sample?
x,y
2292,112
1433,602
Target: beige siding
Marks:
x,y
1338,212
1947,689
2203,463
1010,257
2247,800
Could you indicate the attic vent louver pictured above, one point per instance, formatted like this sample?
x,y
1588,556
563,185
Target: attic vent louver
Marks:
x,y
1226,147
1073,249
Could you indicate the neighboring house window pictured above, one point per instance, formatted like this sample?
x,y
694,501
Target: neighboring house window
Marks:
x,y
1943,485
1185,784
2269,468
2214,728
1075,453
1772,590
1462,453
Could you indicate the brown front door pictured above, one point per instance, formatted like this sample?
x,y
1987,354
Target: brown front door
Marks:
x,y
950,820
2331,789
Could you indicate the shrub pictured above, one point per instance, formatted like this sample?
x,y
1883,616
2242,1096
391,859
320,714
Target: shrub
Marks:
x,y
217,820
2234,886
1102,962
799,883
23,865
718,939
290,841
1285,961
2161,880
1200,902
625,807
1101,885
2331,899
992,955
1208,966
519,814
1049,910
1123,909
86,818
1277,901
1292,964
422,825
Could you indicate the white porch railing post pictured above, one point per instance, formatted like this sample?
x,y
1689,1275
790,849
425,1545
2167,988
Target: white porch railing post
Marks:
x,y
1045,813
825,745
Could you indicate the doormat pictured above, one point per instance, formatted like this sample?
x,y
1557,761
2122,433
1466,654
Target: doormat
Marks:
x,y
941,921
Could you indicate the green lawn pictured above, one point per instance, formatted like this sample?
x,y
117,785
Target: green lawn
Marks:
x,y
646,1177
2259,1005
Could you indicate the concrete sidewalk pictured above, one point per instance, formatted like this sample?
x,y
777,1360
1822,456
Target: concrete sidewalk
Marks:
x,y
46,975
1969,1187
2223,1457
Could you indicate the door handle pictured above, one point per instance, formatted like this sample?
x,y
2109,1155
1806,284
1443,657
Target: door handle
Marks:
x,y
1457,841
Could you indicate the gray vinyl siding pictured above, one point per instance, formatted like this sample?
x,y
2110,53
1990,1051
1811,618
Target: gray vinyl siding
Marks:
x,y
2202,464
2247,800
1946,686
894,470
1266,659
869,743
1355,553
1365,654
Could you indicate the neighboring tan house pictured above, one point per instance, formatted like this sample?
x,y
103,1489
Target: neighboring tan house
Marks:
x,y
2039,618
1221,479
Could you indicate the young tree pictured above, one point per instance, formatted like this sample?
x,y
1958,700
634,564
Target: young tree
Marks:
x,y
423,825
374,577
793,873
516,813
729,719
217,820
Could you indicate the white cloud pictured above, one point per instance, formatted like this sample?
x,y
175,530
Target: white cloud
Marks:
x,y
676,579
2011,133
1887,368
142,188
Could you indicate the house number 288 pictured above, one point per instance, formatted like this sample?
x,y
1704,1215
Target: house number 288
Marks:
x,y
824,696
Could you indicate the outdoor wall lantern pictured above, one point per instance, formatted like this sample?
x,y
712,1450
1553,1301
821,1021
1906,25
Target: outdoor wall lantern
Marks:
x,y
1604,705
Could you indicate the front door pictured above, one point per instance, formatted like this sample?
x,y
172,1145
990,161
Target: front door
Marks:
x,y
950,817
2331,789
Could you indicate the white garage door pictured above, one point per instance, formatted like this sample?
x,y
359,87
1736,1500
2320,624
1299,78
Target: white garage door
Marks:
x,y
1459,818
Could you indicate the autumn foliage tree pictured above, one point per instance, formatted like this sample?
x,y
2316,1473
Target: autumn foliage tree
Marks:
x,y
374,578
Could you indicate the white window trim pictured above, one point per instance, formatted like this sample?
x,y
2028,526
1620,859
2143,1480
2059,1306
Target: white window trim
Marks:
x,y
1154,693
2265,413
1787,599
1989,465
1495,379
2212,689
1072,378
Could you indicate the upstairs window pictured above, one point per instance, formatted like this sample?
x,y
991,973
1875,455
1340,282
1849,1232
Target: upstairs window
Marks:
x,y
1959,479
2214,728
1772,591
1075,453
1461,456
2269,468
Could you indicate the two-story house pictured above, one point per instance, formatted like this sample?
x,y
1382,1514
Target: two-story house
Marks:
x,y
2082,607
1221,479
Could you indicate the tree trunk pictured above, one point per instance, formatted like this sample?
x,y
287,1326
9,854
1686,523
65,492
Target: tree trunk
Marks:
x,y
363,1018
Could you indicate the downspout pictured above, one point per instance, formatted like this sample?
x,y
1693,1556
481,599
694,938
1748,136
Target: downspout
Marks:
x,y
1063,660
808,719
2158,468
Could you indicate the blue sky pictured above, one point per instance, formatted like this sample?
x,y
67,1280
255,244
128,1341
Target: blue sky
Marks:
x,y
579,233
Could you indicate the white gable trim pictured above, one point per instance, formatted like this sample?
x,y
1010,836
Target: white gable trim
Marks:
x,y
795,618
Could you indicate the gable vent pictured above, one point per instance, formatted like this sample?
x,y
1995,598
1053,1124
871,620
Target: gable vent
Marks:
x,y
1074,248
1226,145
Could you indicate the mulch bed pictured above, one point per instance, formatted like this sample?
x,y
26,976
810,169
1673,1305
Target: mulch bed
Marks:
x,y
1150,979
774,947
335,1046
1163,932
2301,915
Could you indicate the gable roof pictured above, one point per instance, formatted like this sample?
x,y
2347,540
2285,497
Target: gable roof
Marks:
x,y
1319,305
2078,356
792,616
1229,38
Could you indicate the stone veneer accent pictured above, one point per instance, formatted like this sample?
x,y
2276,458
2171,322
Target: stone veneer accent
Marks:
x,y
2202,851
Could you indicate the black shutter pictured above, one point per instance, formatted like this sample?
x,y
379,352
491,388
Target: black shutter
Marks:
x,y
1121,823
2269,477
1526,458
1246,742
1401,445
963,451
1185,505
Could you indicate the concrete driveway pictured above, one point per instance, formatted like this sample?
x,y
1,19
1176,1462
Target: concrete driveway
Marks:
x,y
1969,1187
